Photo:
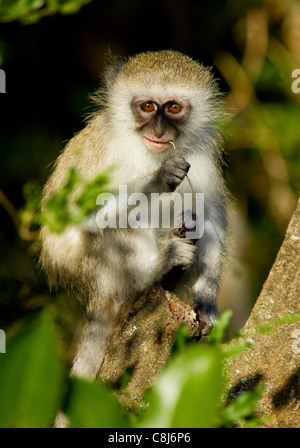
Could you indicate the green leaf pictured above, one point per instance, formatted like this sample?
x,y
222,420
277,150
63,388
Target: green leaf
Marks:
x,y
31,376
182,340
72,203
93,405
32,195
72,6
268,327
126,377
187,392
87,199
242,407
30,11
235,349
218,332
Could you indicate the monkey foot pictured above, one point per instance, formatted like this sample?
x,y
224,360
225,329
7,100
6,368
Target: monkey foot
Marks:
x,y
207,315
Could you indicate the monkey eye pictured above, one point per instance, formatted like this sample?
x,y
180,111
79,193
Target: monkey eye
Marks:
x,y
148,107
174,108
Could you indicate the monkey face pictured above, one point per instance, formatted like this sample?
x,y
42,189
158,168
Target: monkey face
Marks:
x,y
159,120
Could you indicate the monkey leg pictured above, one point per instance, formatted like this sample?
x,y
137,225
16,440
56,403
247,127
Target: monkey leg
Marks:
x,y
205,300
211,249
96,334
207,312
185,222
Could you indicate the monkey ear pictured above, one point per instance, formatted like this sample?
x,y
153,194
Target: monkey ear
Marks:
x,y
113,67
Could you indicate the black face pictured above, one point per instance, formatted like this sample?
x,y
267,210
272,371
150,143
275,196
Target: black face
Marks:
x,y
158,122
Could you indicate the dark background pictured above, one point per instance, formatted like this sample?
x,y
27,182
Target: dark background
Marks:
x,y
54,64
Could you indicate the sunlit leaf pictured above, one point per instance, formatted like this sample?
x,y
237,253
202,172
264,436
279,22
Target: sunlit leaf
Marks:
x,y
92,405
218,332
235,349
63,210
31,376
32,11
187,392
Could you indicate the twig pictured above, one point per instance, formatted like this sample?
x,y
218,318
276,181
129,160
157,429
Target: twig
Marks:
x,y
8,206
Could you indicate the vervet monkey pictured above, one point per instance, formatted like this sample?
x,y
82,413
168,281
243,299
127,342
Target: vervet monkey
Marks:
x,y
145,102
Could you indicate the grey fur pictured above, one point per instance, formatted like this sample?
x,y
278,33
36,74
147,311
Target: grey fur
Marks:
x,y
107,267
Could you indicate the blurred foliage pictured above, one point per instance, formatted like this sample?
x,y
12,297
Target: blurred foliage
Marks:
x,y
265,136
34,387
51,66
30,11
63,209
31,376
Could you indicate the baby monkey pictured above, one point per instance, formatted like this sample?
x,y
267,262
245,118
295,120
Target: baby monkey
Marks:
x,y
145,103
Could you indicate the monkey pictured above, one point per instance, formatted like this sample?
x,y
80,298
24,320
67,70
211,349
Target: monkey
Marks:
x,y
145,102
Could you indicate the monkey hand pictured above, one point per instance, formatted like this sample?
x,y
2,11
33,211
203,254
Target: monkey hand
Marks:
x,y
174,170
182,252
185,222
207,313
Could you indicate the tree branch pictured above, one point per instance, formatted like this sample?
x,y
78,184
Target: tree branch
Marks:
x,y
275,359
143,340
147,327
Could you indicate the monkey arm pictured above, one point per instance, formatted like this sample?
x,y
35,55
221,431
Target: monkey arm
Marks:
x,y
210,259
178,253
164,180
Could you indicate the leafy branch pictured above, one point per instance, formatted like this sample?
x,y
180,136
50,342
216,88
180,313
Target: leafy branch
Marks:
x,y
31,11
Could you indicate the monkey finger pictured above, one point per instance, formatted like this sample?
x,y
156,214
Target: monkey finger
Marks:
x,y
177,162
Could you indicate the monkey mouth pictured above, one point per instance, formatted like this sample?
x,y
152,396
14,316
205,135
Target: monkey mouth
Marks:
x,y
156,145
